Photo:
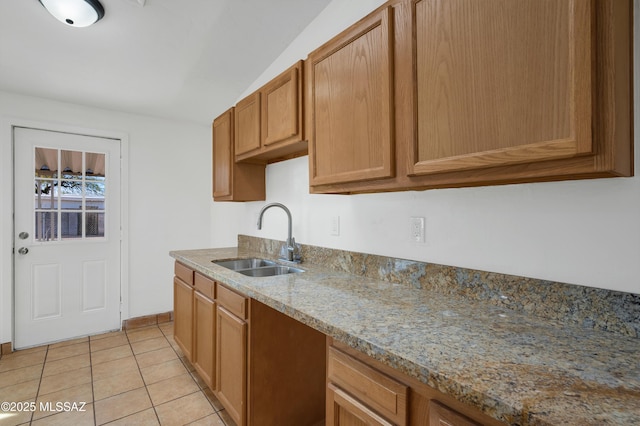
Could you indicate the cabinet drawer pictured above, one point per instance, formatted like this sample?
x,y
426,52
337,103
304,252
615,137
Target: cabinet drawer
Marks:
x,y
351,411
375,389
205,285
232,301
440,415
184,273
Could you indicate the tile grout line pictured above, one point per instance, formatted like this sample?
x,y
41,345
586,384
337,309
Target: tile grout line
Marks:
x,y
131,414
188,372
142,377
90,340
46,354
93,395
182,361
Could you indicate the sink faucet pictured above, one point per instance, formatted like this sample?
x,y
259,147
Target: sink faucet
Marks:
x,y
290,251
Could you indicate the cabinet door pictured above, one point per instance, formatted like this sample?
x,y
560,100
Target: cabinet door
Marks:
x,y
501,82
247,124
223,155
350,104
204,317
344,410
233,181
231,364
183,316
282,107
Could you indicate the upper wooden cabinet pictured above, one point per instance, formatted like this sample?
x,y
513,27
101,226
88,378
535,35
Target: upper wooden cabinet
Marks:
x,y
223,154
282,119
233,181
247,125
349,104
269,122
482,92
501,82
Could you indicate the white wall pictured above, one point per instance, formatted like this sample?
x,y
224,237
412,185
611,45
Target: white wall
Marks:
x,y
580,232
169,187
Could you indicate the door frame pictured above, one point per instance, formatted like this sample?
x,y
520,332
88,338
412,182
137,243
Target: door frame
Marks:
x,y
7,208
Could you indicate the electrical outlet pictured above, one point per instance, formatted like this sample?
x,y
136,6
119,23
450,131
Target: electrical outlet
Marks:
x,y
417,229
335,225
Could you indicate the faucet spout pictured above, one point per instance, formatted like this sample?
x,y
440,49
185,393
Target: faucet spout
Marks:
x,y
292,250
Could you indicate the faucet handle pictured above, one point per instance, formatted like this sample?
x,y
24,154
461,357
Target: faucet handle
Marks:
x,y
291,252
296,251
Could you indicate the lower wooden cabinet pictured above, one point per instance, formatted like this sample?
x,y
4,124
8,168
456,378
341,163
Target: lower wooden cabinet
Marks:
x,y
204,342
440,415
358,394
364,392
286,370
183,309
265,368
231,364
348,411
270,368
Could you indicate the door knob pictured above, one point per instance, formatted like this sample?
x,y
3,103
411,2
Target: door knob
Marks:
x,y
23,250
23,235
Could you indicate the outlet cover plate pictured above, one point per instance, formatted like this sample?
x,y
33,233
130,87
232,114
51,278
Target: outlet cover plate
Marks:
x,y
335,226
417,229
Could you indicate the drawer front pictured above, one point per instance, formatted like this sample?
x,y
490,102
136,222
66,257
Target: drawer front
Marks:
x,y
184,273
375,389
349,411
232,301
205,285
442,415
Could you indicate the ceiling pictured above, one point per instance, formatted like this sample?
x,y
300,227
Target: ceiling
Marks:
x,y
180,59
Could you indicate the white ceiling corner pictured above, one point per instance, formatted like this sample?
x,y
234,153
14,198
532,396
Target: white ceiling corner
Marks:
x,y
185,60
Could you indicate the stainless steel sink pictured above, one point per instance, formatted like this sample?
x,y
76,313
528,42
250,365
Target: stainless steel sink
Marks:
x,y
254,267
237,264
270,271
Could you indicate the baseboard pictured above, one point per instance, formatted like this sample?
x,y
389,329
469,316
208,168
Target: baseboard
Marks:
x,y
128,324
5,348
131,323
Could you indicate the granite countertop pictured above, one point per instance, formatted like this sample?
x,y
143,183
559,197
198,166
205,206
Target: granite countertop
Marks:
x,y
517,368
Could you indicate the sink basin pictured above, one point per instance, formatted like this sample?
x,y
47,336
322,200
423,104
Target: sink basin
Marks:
x,y
270,271
254,267
238,264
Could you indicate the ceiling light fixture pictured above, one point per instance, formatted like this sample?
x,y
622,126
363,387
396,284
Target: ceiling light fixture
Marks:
x,y
75,13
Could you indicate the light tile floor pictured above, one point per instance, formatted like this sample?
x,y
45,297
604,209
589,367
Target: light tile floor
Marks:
x,y
138,377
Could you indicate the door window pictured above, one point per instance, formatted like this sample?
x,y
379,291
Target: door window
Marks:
x,y
69,196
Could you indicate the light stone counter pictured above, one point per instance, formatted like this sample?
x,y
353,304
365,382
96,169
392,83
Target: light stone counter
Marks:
x,y
516,367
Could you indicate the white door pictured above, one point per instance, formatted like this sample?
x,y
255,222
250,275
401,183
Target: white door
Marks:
x,y
67,236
